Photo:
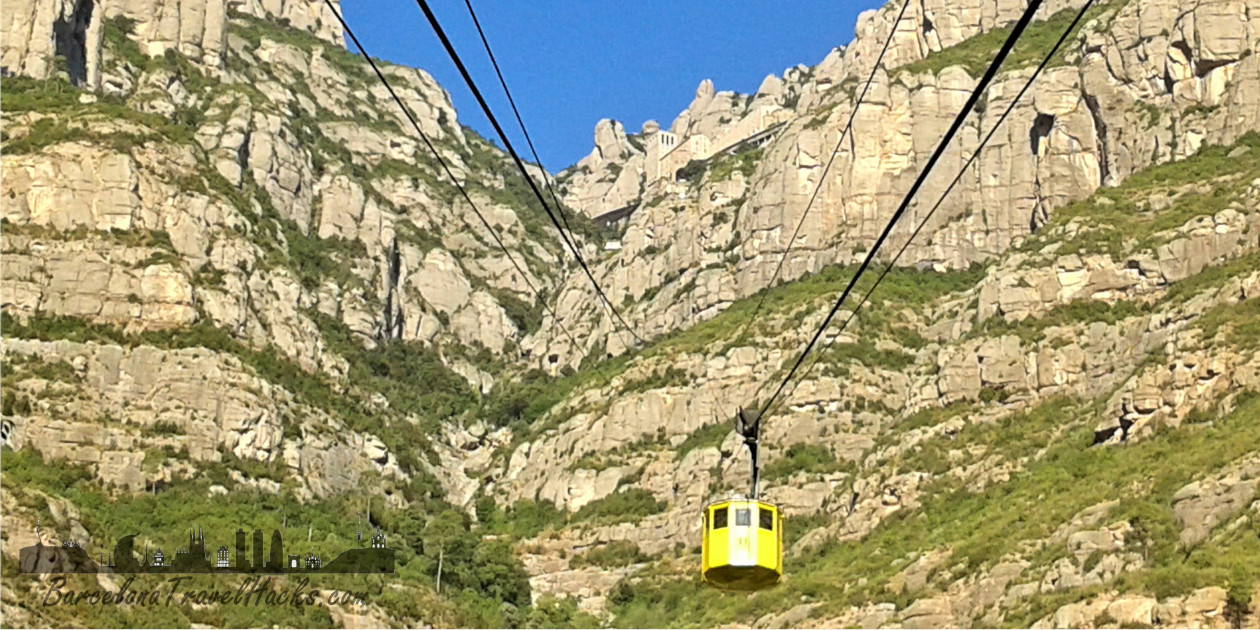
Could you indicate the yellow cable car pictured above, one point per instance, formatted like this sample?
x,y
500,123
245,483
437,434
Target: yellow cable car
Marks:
x,y
742,542
742,548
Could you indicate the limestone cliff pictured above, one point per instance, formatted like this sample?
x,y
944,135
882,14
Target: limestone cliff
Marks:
x,y
1144,83
252,183
236,286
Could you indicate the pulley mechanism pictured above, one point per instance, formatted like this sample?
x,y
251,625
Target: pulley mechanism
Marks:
x,y
748,425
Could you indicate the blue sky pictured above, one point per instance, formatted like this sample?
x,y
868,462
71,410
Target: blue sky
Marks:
x,y
570,63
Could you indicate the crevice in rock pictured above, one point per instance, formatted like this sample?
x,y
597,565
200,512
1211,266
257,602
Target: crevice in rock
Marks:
x,y
1040,129
392,319
1184,47
70,40
1168,81
1100,128
242,154
1106,435
1202,68
6,429
1101,437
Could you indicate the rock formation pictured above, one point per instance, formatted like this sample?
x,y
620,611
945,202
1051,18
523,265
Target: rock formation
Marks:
x,y
235,276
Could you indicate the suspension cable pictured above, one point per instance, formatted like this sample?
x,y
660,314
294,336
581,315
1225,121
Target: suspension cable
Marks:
x,y
472,85
957,178
516,112
454,180
1002,53
823,177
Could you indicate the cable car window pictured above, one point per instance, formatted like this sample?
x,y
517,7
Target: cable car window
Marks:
x,y
743,517
767,519
719,518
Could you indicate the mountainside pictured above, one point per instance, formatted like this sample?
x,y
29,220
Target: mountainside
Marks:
x,y
238,290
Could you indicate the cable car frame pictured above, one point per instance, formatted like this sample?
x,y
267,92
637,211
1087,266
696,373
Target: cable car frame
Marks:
x,y
742,538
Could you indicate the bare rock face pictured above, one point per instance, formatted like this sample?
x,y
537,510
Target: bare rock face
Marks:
x,y
195,400
314,17
59,23
178,248
608,179
1144,84
36,34
1202,505
196,29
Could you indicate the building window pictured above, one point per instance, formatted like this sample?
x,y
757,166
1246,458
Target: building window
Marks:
x,y
719,518
766,519
743,517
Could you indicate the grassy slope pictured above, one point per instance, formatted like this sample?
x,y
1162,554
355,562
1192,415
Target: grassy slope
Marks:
x,y
976,53
980,529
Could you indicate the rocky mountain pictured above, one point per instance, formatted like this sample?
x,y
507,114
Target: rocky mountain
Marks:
x,y
238,290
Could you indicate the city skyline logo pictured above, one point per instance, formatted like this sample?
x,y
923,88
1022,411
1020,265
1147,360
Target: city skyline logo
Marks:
x,y
247,555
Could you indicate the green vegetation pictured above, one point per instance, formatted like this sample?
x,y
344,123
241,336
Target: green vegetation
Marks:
x,y
692,171
24,94
50,131
617,553
623,506
865,353
70,119
983,527
550,612
18,368
1241,323
1211,277
483,582
1016,436
514,192
900,288
528,316
313,260
658,379
520,403
724,165
116,32
705,437
392,370
523,519
811,459
721,166
1077,312
254,30
1114,219
1117,227
795,527
523,402
1242,581
975,54
528,519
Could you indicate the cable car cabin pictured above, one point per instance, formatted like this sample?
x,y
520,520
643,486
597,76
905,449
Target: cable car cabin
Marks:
x,y
742,548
